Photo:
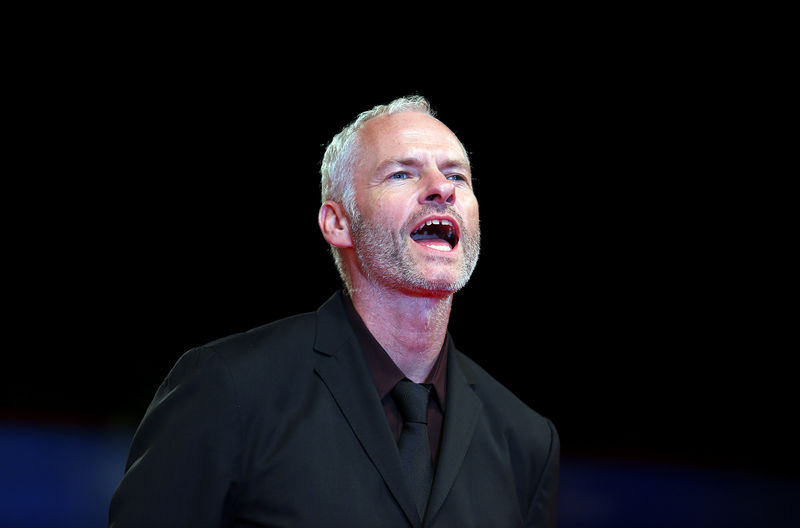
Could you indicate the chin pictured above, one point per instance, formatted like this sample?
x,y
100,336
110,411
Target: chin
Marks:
x,y
434,286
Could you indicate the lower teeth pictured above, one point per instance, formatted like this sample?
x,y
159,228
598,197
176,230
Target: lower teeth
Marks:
x,y
444,247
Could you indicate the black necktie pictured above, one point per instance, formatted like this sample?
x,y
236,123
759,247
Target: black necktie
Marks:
x,y
414,446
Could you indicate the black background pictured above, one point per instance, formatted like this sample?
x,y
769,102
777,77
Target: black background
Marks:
x,y
170,195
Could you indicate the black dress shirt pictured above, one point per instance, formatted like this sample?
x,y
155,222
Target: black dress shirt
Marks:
x,y
386,375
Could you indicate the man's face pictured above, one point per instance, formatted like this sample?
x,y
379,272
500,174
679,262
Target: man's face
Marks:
x,y
416,227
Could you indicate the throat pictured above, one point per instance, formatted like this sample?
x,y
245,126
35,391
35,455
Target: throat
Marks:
x,y
411,330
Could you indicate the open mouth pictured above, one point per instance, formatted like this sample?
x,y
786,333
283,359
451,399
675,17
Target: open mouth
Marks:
x,y
436,233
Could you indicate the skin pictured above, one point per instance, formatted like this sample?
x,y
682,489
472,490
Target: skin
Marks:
x,y
410,168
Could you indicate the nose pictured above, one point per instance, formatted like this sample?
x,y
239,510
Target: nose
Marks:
x,y
439,190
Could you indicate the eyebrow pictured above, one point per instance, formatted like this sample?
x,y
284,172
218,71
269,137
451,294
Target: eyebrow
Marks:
x,y
416,162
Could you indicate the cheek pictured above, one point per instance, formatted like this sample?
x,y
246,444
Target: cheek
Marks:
x,y
391,209
382,214
471,214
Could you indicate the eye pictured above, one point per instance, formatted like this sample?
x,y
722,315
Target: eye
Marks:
x,y
457,177
399,176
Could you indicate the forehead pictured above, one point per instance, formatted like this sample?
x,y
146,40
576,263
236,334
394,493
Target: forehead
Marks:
x,y
407,133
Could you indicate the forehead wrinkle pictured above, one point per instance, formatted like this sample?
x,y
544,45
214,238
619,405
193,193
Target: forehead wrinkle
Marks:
x,y
391,141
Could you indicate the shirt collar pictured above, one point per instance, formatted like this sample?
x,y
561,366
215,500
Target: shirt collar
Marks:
x,y
384,371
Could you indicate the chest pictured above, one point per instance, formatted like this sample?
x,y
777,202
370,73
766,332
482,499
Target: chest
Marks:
x,y
315,467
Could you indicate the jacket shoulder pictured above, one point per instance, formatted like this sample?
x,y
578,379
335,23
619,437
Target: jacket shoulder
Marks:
x,y
503,406
283,332
530,440
262,352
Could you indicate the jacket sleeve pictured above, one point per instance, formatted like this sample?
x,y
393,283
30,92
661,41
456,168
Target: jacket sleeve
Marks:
x,y
184,458
543,510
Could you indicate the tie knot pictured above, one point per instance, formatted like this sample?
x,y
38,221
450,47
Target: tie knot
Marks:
x,y
412,401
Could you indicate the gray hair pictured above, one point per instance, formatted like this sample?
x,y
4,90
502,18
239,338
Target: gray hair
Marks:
x,y
340,157
339,160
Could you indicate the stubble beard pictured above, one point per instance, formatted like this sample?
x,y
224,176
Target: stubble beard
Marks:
x,y
385,255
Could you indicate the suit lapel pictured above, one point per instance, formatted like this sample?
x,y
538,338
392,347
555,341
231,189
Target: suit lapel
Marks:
x,y
342,368
461,416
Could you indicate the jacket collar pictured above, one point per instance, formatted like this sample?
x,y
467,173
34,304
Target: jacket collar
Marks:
x,y
343,370
332,331
463,410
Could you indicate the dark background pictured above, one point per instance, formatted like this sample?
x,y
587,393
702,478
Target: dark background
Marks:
x,y
624,289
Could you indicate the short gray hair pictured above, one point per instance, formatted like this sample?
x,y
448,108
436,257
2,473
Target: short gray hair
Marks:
x,y
339,160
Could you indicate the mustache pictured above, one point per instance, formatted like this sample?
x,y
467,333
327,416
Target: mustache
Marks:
x,y
432,209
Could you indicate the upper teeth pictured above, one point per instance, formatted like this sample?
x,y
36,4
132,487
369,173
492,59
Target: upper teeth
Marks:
x,y
437,222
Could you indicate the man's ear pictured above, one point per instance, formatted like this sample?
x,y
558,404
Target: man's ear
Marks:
x,y
334,224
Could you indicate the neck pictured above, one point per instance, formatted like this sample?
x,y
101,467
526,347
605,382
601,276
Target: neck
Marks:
x,y
410,328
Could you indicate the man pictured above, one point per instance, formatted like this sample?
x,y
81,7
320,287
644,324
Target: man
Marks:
x,y
308,421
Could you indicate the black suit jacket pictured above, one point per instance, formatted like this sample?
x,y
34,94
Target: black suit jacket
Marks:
x,y
282,426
